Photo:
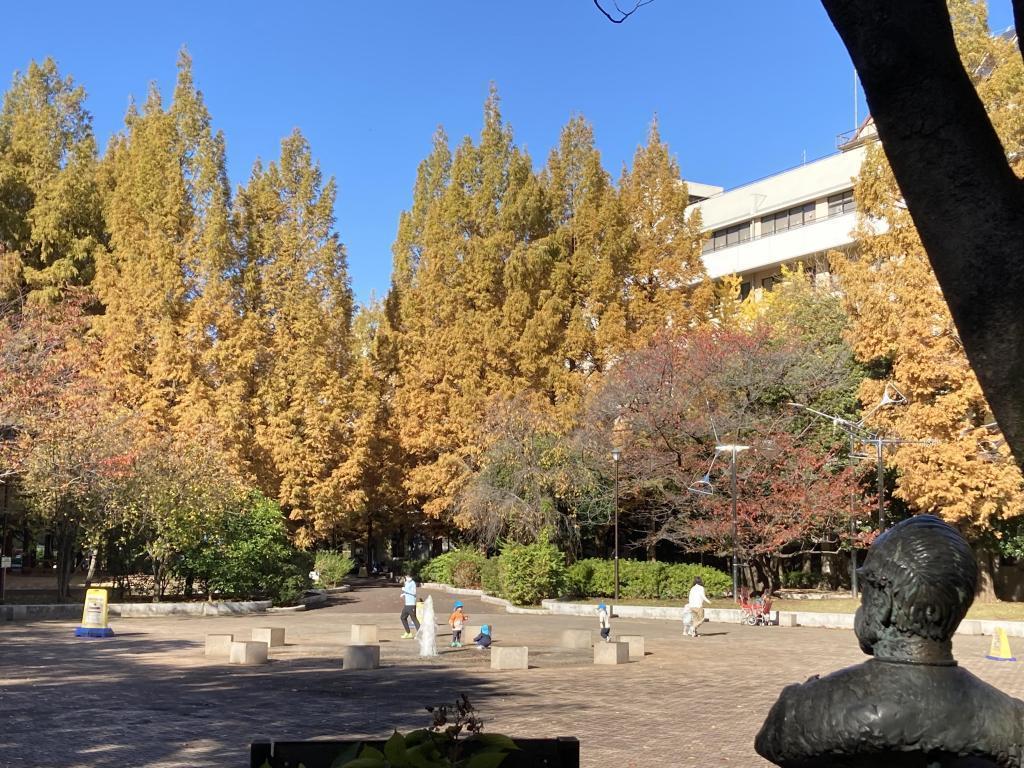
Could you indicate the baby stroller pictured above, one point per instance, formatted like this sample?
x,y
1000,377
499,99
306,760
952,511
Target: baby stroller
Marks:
x,y
756,613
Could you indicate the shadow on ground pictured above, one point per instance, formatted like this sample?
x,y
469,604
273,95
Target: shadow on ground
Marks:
x,y
193,712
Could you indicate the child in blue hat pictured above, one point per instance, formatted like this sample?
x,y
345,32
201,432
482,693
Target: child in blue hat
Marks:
x,y
457,621
604,620
483,640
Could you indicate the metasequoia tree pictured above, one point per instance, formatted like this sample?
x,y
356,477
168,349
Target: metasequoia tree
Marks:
x,y
287,357
667,285
51,226
165,205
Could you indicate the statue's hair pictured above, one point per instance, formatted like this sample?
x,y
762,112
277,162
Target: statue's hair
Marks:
x,y
929,571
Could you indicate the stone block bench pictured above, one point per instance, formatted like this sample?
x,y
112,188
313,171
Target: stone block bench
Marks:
x,y
219,645
611,653
636,645
272,636
361,657
577,638
510,657
364,634
248,653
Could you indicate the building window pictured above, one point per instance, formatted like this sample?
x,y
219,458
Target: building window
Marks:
x,y
744,289
789,219
841,203
723,238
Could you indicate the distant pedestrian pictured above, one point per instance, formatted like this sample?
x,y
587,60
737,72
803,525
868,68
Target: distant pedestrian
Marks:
x,y
483,640
604,621
409,607
697,598
457,621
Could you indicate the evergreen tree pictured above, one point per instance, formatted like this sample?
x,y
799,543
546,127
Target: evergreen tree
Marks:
x,y
51,226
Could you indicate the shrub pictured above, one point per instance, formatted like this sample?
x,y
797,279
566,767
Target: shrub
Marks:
x,y
333,567
800,580
442,568
642,580
532,572
491,577
250,555
466,574
679,578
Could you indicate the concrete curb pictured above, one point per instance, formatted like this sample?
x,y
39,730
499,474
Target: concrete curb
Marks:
x,y
721,615
134,610
484,597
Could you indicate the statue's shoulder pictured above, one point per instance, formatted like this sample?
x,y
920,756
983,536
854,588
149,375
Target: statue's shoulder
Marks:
x,y
874,707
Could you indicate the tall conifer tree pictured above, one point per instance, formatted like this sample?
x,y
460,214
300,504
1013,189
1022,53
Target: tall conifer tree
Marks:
x,y
295,383
51,225
668,285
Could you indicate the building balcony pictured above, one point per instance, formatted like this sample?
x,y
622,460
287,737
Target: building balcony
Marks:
x,y
781,248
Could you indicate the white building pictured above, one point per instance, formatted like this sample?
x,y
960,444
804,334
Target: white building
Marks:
x,y
797,215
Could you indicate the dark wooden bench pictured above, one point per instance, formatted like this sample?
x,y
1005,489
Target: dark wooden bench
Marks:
x,y
561,752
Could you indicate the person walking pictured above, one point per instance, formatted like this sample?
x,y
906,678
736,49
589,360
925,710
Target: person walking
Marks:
x,y
604,621
409,607
697,598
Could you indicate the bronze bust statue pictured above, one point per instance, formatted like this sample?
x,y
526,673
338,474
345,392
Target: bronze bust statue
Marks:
x,y
910,705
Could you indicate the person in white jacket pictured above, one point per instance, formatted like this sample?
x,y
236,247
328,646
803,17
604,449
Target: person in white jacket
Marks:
x,y
696,602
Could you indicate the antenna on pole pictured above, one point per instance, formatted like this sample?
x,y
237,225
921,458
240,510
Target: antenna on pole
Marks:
x,y
855,105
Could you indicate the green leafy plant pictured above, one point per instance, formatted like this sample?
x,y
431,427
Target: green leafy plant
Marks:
x,y
800,580
532,572
593,577
442,568
333,567
249,554
441,745
492,579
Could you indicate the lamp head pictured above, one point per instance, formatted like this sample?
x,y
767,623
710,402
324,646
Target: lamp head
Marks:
x,y
616,454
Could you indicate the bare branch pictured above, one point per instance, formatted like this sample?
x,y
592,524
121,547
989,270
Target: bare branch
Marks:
x,y
624,14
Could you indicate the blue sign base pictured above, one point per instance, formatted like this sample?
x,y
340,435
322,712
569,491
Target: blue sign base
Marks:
x,y
94,632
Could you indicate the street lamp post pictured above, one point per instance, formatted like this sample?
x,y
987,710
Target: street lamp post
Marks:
x,y
616,455
732,450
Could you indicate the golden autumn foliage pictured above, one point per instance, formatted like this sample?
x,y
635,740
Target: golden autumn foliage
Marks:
x,y
901,326
513,285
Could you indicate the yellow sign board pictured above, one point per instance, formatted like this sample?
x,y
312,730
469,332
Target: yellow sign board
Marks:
x,y
94,615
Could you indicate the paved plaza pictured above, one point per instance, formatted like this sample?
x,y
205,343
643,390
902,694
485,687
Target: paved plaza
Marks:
x,y
149,696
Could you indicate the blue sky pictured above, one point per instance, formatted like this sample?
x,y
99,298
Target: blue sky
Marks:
x,y
741,89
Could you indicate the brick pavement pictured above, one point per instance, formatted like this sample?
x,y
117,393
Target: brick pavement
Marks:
x,y
149,697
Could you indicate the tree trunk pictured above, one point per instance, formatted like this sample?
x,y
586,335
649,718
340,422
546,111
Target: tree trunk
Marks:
x,y
66,534
987,567
964,198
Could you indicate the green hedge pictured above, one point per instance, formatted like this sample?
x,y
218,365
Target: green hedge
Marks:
x,y
446,567
642,580
526,574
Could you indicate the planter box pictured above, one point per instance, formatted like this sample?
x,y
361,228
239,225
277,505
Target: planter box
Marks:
x,y
563,752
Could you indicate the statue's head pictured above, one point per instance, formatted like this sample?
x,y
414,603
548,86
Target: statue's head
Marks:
x,y
918,580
